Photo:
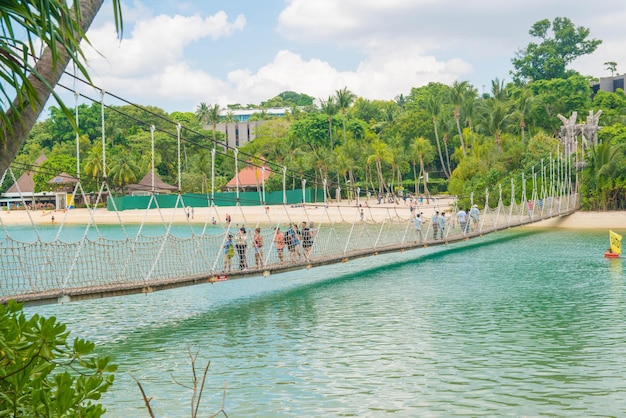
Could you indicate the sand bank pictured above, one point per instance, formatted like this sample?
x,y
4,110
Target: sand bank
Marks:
x,y
587,220
248,215
252,215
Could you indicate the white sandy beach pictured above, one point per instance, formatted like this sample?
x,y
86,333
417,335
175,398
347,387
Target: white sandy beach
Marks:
x,y
252,215
586,220
249,215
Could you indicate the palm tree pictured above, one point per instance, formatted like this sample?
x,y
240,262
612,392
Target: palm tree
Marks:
x,y
469,111
606,171
202,113
214,118
524,104
380,153
113,130
459,94
347,155
421,150
28,86
123,169
94,167
400,101
611,66
398,159
495,118
344,98
433,106
329,108
499,90
230,116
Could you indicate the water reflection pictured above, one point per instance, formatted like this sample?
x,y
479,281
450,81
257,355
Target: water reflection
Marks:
x,y
529,326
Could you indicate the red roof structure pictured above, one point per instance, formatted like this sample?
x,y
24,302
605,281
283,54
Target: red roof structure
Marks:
x,y
250,178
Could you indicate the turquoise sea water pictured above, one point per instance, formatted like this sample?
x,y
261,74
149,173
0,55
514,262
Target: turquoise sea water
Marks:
x,y
517,323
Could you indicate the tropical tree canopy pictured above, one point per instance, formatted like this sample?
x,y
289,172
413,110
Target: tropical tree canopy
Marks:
x,y
549,58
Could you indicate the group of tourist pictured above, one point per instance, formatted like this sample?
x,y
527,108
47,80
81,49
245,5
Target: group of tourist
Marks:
x,y
466,218
297,241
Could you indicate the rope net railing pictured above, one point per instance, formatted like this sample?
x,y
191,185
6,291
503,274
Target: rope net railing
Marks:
x,y
229,244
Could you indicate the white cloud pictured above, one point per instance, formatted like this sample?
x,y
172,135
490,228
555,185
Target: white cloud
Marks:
x,y
382,77
155,43
376,49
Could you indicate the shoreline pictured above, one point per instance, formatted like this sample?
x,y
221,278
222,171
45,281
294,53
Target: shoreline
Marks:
x,y
251,215
586,220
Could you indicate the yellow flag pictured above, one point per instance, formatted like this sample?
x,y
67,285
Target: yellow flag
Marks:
x,y
616,242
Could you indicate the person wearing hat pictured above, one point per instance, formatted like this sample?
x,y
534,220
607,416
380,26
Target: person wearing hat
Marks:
x,y
474,214
435,223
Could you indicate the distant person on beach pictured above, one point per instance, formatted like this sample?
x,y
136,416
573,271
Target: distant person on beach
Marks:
x,y
227,219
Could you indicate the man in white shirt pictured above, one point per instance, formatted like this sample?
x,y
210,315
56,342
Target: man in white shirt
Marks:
x,y
417,222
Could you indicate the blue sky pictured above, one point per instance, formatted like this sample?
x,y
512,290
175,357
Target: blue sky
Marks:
x,y
176,54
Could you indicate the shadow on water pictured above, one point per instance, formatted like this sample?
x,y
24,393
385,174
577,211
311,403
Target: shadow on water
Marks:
x,y
241,309
519,323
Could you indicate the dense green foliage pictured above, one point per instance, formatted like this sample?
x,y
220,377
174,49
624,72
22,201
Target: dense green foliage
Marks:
x,y
474,142
461,141
42,374
550,58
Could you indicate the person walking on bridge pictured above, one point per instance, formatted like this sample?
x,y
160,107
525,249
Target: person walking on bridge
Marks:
x,y
229,253
279,240
307,234
435,223
442,224
474,215
240,246
292,239
462,217
417,223
258,248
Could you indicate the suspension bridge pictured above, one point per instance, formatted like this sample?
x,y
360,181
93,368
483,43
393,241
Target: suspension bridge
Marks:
x,y
53,269
58,262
